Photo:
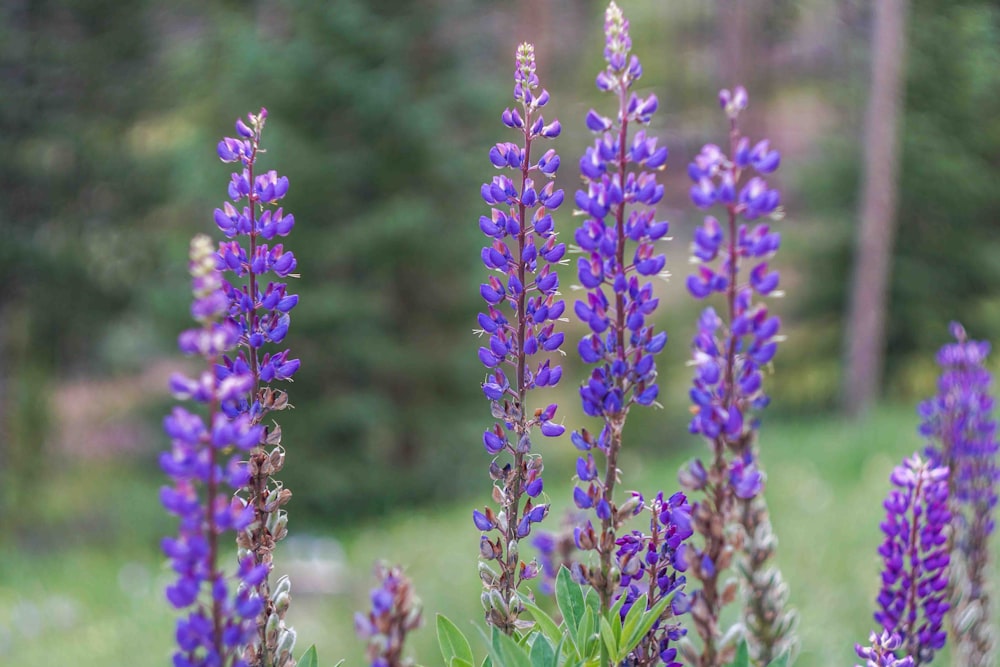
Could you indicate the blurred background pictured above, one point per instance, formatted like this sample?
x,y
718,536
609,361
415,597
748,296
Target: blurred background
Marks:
x,y
381,115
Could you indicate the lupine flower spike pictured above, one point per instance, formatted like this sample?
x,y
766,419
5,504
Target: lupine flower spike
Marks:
x,y
617,204
395,612
882,651
522,309
961,432
653,565
730,353
220,610
914,597
261,313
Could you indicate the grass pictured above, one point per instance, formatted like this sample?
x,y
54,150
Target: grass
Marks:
x,y
89,606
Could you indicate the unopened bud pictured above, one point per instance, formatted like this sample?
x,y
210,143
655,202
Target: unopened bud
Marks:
x,y
286,643
497,602
283,585
271,629
282,602
486,574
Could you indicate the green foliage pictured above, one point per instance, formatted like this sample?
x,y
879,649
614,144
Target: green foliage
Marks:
x,y
575,642
309,658
742,658
454,646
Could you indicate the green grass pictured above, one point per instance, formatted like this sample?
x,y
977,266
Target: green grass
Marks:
x,y
88,606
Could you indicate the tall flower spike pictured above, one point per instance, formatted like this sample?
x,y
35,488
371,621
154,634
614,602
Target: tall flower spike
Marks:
x,y
961,432
522,309
261,314
395,613
220,609
730,352
913,599
617,203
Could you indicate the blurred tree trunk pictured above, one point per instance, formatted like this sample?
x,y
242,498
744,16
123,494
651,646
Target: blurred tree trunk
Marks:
x,y
865,335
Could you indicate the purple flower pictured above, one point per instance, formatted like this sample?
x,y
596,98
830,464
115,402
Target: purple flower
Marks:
x,y
395,613
959,426
882,651
730,353
960,429
220,610
258,305
520,319
653,565
913,598
618,242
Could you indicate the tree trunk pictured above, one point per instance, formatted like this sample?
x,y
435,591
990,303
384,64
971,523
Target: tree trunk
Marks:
x,y
865,335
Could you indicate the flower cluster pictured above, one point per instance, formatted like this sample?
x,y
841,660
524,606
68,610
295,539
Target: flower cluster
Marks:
x,y
729,354
652,564
881,651
617,203
913,599
961,431
728,357
522,251
395,613
205,471
261,315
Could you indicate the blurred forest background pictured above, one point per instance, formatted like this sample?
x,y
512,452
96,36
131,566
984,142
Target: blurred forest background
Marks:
x,y
381,115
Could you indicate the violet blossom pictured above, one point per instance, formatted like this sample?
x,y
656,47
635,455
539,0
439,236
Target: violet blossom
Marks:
x,y
618,206
961,432
522,310
653,564
730,353
914,598
221,610
395,612
260,312
881,651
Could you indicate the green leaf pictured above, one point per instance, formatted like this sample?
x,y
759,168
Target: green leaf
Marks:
x,y
569,597
586,635
609,639
340,662
452,642
542,654
616,609
504,651
546,624
631,622
458,662
782,661
309,658
593,601
742,658
633,637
